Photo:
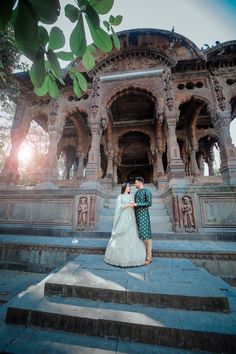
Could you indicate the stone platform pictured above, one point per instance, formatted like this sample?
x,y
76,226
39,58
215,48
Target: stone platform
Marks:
x,y
171,302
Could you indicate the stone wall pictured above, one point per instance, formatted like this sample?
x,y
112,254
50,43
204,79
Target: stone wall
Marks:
x,y
199,208
72,210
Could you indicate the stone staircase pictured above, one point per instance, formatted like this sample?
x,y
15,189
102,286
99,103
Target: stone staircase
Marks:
x,y
160,220
171,303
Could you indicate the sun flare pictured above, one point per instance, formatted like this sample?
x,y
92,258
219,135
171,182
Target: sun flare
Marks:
x,y
25,153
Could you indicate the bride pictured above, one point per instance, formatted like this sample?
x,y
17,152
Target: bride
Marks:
x,y
125,249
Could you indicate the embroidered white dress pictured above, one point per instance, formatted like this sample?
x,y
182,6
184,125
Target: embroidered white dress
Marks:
x,y
125,249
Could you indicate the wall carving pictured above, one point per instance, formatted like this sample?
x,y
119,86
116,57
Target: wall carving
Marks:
x,y
136,59
218,211
86,212
44,211
83,213
183,214
187,214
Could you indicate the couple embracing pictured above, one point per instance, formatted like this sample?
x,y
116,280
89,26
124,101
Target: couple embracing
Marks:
x,y
130,243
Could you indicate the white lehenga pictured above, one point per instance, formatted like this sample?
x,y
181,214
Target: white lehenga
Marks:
x,y
125,249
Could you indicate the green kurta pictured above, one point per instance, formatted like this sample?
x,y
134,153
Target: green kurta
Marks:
x,y
143,199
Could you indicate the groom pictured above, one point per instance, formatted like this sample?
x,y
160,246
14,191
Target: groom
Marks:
x,y
143,200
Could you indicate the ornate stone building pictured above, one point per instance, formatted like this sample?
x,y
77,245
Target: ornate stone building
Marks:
x,y
155,108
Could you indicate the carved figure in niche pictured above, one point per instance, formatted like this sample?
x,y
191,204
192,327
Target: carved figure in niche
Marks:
x,y
187,210
168,89
219,93
82,213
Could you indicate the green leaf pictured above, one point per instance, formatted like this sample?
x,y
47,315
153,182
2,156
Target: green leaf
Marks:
x,y
101,38
82,81
92,48
88,60
6,7
78,43
93,16
66,56
76,88
111,19
26,31
71,12
43,36
115,21
107,25
57,38
53,89
115,39
38,71
54,64
42,90
47,10
102,7
82,3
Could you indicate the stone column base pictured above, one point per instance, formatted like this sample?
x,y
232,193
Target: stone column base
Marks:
x,y
175,169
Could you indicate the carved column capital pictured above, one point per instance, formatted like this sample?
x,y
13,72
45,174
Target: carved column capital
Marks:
x,y
220,119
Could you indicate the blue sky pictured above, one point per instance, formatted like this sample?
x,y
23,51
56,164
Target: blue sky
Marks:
x,y
202,21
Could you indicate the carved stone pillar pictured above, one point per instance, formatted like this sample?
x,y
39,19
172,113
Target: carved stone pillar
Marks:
x,y
19,131
93,167
201,164
158,163
210,161
193,163
80,170
175,166
109,173
221,121
115,164
49,169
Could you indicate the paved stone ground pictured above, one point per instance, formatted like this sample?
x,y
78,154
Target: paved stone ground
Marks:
x,y
169,273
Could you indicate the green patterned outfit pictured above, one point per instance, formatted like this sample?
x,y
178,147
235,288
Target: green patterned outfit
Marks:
x,y
143,199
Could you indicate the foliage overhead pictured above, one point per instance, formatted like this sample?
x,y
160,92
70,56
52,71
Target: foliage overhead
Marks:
x,y
28,17
9,62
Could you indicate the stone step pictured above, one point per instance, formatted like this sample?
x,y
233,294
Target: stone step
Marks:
x,y
154,219
156,227
178,328
38,341
112,202
99,285
187,329
152,212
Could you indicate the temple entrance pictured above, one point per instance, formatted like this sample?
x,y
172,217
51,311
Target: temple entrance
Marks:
x,y
133,108
135,159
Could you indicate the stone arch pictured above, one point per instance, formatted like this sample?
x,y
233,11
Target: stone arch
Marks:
x,y
135,153
116,93
137,130
146,53
39,117
80,122
198,98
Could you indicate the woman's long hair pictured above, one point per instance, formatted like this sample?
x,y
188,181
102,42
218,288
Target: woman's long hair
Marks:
x,y
124,186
